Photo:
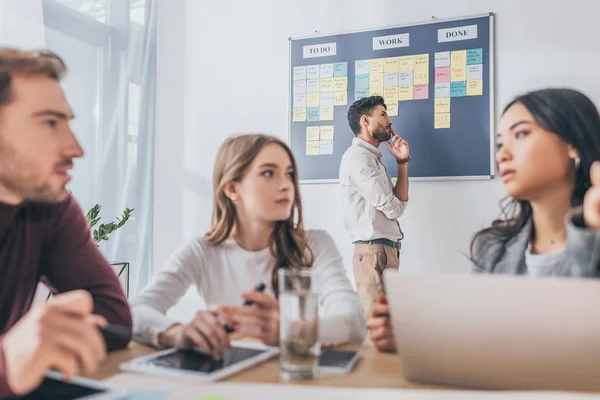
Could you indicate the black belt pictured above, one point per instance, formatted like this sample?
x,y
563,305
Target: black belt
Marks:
x,y
385,242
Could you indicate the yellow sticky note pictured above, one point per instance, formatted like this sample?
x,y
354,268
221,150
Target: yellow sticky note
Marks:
x,y
340,98
421,74
376,91
442,105
421,60
405,92
327,85
327,132
390,95
458,58
312,148
312,133
376,80
340,83
392,109
458,74
390,64
312,99
442,121
376,66
405,63
299,115
327,113
475,88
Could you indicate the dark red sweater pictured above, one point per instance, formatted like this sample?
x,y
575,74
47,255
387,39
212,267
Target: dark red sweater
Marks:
x,y
52,242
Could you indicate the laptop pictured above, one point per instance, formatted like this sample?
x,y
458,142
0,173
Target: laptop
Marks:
x,y
496,331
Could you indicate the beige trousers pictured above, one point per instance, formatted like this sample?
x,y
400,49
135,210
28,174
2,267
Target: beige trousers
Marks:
x,y
369,262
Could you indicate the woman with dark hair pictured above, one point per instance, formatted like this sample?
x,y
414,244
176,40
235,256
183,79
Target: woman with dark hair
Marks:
x,y
547,142
548,146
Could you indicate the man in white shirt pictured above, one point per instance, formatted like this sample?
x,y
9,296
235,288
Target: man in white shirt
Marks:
x,y
370,202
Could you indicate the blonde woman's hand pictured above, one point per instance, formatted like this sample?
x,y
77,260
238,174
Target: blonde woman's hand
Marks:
x,y
259,321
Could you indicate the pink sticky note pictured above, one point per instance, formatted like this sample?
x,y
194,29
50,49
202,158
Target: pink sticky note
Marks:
x,y
421,92
442,74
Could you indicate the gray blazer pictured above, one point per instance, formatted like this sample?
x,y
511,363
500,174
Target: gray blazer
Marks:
x,y
493,256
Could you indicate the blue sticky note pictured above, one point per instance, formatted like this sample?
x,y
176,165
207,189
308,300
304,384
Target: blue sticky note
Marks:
x,y
361,81
340,69
458,89
474,56
313,113
360,93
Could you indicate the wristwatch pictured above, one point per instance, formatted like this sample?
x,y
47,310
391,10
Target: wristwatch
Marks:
x,y
407,159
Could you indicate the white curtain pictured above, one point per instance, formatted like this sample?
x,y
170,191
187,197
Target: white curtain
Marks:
x,y
109,47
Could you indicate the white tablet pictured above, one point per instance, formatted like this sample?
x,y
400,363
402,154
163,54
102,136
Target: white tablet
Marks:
x,y
195,365
56,388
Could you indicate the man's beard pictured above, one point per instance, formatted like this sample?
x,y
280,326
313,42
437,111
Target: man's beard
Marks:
x,y
382,134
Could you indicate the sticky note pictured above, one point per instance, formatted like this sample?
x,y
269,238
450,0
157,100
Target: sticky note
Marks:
x,y
458,89
326,85
458,74
474,72
312,114
210,397
405,93
360,93
458,58
326,99
313,100
421,60
326,147
405,78
376,66
442,89
299,100
340,69
361,81
362,67
299,115
326,71
312,86
421,76
421,92
474,56
390,79
376,80
405,63
313,148
327,113
312,133
442,105
340,98
474,88
300,73
390,95
392,109
376,91
327,132
442,74
441,121
312,72
442,59
390,64
299,87
340,83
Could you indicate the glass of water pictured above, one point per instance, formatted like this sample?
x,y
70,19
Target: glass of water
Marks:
x,y
299,324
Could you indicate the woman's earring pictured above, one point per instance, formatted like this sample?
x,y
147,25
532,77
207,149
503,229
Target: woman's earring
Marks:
x,y
577,163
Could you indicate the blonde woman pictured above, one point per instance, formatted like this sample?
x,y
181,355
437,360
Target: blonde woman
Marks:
x,y
256,229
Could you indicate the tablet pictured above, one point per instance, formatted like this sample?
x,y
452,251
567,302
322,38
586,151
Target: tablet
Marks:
x,y
56,388
337,361
195,365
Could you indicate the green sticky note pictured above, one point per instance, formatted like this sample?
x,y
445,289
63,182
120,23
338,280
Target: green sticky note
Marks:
x,y
215,397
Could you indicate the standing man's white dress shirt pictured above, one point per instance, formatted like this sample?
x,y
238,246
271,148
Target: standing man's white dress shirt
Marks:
x,y
371,203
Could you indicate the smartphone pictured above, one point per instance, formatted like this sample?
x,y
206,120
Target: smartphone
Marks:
x,y
337,361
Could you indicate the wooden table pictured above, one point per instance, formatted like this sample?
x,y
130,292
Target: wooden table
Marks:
x,y
374,370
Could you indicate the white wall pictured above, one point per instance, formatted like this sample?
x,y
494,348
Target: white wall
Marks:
x,y
223,68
